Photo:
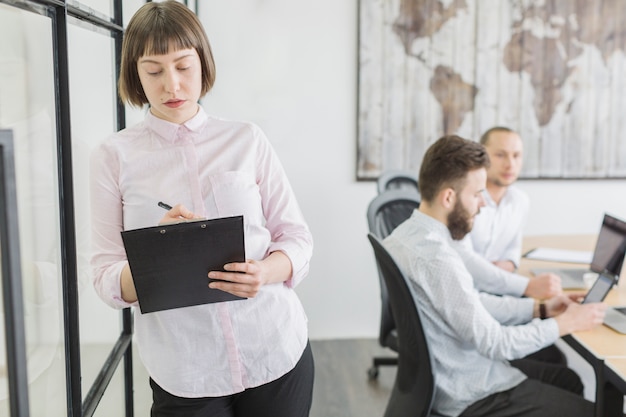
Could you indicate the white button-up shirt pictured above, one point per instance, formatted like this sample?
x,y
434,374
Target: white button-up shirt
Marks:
x,y
488,277
498,228
216,168
470,349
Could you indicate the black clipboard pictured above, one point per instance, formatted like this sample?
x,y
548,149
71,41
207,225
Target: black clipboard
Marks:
x,y
170,263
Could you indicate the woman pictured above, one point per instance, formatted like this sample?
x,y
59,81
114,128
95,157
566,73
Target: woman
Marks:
x,y
239,358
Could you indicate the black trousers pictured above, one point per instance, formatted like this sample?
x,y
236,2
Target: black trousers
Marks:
x,y
550,390
289,396
550,354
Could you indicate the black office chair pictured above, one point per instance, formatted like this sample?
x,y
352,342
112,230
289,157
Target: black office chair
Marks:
x,y
414,388
397,179
384,213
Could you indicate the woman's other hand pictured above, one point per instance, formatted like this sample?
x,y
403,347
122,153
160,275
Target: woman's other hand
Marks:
x,y
245,279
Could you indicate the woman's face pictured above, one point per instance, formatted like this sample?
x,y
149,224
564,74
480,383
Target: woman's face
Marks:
x,y
172,83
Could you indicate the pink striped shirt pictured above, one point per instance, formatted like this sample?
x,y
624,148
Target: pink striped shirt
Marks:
x,y
216,168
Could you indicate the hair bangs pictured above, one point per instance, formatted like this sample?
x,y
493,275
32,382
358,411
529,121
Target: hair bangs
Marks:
x,y
166,38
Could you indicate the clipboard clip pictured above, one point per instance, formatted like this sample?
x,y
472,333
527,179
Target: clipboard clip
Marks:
x,y
163,231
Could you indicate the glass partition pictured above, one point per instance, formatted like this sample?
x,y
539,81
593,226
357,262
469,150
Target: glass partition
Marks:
x,y
57,81
92,101
27,106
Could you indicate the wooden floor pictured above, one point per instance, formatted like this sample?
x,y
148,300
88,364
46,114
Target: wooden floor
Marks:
x,y
342,388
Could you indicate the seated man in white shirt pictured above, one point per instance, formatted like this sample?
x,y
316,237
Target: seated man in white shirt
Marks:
x,y
497,231
476,345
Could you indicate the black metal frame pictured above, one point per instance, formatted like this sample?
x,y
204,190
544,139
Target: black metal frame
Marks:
x,y
610,388
614,391
59,11
12,281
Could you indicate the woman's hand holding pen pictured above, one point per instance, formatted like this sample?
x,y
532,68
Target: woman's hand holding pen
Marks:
x,y
245,279
176,214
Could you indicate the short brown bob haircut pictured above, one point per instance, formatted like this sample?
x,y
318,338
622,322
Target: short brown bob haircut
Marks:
x,y
151,31
446,164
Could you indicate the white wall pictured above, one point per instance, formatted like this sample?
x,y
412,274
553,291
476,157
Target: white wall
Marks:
x,y
573,207
291,67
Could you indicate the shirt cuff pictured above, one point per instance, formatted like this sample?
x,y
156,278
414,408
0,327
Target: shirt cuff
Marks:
x,y
518,284
299,262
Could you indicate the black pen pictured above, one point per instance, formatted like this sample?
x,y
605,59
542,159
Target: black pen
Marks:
x,y
164,205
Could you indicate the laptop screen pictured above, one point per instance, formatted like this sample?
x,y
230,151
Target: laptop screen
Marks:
x,y
600,289
611,246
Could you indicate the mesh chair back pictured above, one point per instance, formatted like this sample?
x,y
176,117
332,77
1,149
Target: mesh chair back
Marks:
x,y
397,180
387,210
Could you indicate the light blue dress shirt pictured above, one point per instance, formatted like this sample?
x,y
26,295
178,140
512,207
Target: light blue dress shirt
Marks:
x,y
470,347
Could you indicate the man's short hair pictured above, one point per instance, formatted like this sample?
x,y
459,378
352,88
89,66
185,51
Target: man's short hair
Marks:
x,y
152,30
485,137
446,164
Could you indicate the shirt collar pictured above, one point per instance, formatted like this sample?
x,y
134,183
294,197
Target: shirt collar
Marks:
x,y
169,131
488,200
431,224
505,198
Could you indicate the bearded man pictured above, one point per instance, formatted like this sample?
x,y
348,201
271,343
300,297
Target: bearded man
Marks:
x,y
477,347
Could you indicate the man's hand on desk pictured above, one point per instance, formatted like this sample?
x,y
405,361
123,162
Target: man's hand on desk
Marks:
x,y
557,305
543,286
577,317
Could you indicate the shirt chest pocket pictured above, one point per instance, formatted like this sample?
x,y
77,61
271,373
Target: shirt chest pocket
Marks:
x,y
236,193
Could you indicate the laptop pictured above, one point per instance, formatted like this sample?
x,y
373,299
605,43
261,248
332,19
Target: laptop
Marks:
x,y
615,317
608,255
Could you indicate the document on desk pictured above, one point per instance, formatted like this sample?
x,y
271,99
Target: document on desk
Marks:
x,y
170,263
560,255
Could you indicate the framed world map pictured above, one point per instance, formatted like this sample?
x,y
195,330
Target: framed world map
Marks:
x,y
553,70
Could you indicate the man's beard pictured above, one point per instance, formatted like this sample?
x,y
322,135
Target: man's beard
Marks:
x,y
459,221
